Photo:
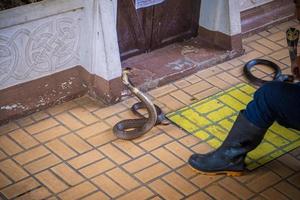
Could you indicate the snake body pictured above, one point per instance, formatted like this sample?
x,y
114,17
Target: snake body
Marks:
x,y
278,76
133,128
292,37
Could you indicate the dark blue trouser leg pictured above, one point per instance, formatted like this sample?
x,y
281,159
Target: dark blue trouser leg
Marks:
x,y
275,101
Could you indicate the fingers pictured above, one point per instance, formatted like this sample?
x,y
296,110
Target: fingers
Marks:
x,y
296,72
296,68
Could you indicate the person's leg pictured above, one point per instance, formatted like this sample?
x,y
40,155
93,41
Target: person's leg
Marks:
x,y
275,101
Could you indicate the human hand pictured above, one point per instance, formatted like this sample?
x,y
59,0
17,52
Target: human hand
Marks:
x,y
296,68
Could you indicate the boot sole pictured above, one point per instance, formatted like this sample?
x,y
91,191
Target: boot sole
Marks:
x,y
227,173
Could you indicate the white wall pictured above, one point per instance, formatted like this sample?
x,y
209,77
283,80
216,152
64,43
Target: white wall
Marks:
x,y
53,35
221,15
105,40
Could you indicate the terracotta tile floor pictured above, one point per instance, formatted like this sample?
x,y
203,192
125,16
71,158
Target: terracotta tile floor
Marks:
x,y
70,152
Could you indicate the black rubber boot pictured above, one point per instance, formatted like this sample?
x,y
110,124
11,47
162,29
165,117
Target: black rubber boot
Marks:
x,y
229,157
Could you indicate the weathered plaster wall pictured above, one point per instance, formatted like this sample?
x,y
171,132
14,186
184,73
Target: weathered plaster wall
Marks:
x,y
222,16
40,39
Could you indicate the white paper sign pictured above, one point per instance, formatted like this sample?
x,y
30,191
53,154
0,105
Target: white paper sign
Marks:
x,y
146,3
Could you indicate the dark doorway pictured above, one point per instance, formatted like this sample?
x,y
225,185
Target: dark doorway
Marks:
x,y
156,26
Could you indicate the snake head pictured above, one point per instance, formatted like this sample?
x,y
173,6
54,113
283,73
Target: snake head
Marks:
x,y
125,78
292,36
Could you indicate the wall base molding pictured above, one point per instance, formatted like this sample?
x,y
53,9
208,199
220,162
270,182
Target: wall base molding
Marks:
x,y
38,94
221,39
260,18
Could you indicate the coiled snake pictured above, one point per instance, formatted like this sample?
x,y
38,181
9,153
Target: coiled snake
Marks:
x,y
132,128
278,76
292,37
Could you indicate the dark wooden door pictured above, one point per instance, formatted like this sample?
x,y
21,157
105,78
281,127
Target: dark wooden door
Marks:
x,y
149,28
174,20
134,28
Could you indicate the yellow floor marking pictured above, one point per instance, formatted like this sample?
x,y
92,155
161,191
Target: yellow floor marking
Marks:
x,y
202,135
244,98
293,145
262,150
217,131
275,139
276,154
288,134
184,123
214,143
248,160
221,114
248,89
196,118
212,118
208,106
226,124
233,103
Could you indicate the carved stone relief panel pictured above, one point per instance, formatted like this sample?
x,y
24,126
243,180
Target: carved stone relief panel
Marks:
x,y
248,4
39,48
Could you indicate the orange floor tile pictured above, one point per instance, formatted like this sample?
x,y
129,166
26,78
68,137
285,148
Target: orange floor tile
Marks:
x,y
69,151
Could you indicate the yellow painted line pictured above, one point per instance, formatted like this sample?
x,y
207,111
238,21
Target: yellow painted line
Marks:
x,y
184,123
248,89
262,150
276,139
211,119
248,160
195,117
233,118
214,143
226,124
276,154
217,131
233,103
284,132
202,135
208,106
244,98
265,160
221,114
292,146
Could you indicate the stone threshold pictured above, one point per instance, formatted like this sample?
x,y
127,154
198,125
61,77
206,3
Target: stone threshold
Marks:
x,y
173,62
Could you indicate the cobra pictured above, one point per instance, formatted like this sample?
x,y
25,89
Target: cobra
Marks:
x,y
132,128
292,37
